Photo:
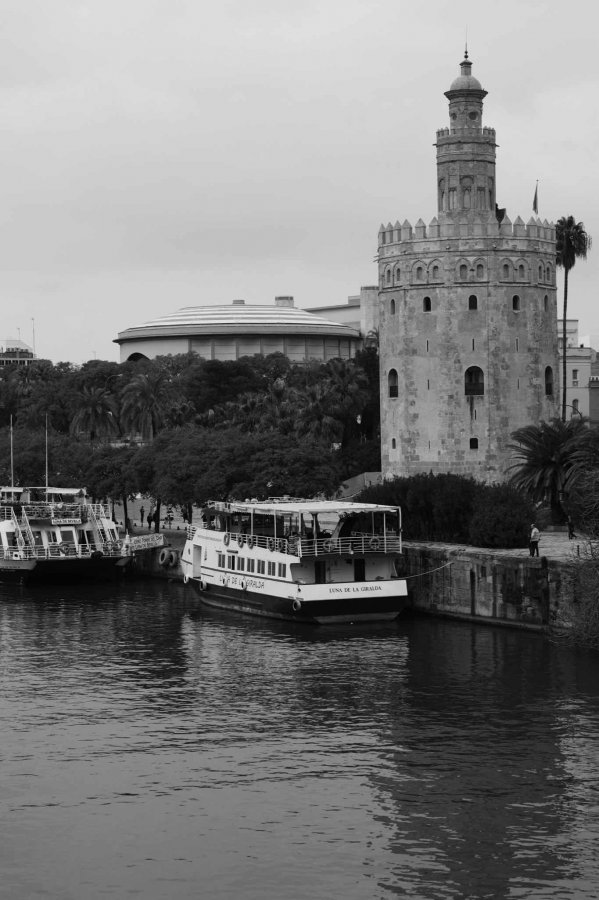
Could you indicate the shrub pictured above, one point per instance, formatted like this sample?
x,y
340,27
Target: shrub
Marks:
x,y
502,518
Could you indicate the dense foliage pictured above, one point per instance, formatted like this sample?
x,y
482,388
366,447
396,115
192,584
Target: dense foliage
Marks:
x,y
183,429
455,509
572,242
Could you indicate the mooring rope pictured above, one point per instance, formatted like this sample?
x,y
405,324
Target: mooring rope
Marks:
x,y
430,572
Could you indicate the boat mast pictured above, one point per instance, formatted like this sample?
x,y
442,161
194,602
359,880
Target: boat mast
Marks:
x,y
12,462
46,457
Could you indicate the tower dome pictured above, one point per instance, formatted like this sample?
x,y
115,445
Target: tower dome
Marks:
x,y
466,80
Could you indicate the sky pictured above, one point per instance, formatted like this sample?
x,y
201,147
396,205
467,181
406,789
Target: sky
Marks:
x,y
157,154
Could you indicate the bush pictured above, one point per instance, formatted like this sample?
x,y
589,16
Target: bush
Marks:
x,y
456,509
502,518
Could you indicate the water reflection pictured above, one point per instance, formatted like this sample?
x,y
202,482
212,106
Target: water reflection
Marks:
x,y
153,747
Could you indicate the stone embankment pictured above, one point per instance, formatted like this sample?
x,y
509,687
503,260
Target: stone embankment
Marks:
x,y
506,587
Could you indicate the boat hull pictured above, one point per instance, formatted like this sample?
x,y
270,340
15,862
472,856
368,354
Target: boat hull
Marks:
x,y
314,610
62,570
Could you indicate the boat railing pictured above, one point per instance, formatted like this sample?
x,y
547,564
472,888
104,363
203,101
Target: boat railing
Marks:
x,y
65,549
362,543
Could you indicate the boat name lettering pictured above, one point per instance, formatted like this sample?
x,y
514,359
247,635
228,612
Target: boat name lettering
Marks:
x,y
355,589
72,521
249,582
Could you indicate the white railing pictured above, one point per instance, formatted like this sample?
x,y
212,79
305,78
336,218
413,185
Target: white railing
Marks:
x,y
323,546
64,550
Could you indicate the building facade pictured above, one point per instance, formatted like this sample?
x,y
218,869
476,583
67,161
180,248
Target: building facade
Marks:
x,y
467,314
230,332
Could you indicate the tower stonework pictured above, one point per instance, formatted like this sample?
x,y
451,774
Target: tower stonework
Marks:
x,y
467,314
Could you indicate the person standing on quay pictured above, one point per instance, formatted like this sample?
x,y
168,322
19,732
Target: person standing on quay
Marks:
x,y
142,513
535,537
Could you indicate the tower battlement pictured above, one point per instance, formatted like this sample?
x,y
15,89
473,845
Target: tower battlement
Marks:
x,y
397,238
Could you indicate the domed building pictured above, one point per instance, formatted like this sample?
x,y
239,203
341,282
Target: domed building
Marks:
x,y
230,332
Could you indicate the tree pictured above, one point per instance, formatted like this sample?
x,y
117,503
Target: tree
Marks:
x,y
146,402
573,243
543,457
95,414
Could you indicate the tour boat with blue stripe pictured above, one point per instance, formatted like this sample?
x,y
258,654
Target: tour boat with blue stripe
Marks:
x,y
319,561
56,534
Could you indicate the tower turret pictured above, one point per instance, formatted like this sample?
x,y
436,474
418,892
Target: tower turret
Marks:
x,y
466,151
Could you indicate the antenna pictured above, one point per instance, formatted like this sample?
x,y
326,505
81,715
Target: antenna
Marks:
x,y
33,333
466,45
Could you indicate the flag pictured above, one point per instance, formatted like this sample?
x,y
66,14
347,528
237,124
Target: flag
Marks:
x,y
535,202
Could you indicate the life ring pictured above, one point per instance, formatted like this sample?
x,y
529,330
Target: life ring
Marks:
x,y
226,539
241,539
375,544
244,585
173,558
62,550
97,554
164,557
296,605
185,579
271,543
328,545
251,541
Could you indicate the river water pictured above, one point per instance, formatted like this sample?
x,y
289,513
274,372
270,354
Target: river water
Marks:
x,y
150,749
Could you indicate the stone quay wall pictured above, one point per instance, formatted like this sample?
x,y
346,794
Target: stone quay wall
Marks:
x,y
483,586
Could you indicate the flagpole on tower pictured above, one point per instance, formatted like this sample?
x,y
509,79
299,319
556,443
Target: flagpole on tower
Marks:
x,y
535,202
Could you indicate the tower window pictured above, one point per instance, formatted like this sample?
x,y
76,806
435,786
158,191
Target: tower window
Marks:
x,y
540,273
426,304
506,271
392,307
546,302
397,275
388,276
436,273
521,272
393,443
549,275
463,272
419,273
480,271
474,382
474,443
393,383
515,302
472,302
549,382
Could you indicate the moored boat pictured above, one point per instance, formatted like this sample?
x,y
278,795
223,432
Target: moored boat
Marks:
x,y
56,534
305,560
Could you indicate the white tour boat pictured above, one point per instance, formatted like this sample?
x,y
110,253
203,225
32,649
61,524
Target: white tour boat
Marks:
x,y
306,560
55,534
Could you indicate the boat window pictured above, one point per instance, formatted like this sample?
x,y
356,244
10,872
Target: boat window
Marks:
x,y
221,560
230,561
241,564
271,568
282,570
52,539
37,538
261,567
250,566
67,535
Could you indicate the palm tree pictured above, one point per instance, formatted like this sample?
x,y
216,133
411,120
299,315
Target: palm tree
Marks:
x,y
146,402
544,456
95,413
573,243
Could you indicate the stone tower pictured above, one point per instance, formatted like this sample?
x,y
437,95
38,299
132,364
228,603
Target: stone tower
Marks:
x,y
467,314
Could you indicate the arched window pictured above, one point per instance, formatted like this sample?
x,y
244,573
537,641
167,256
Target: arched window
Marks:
x,y
392,307
480,271
436,273
426,304
540,273
549,382
549,274
515,302
393,384
393,443
472,302
474,443
466,201
545,302
474,382
521,272
388,276
397,275
575,408
463,272
506,271
419,273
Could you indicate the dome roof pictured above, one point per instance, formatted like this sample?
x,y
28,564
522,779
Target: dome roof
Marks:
x,y
237,319
465,80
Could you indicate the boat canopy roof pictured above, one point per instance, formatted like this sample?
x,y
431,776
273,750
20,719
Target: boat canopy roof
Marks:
x,y
279,506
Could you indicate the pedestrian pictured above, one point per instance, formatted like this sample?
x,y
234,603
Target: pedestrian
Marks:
x,y
570,529
141,516
150,519
535,537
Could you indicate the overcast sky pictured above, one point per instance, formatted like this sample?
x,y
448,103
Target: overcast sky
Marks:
x,y
165,153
